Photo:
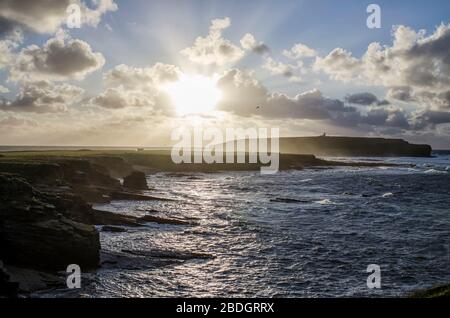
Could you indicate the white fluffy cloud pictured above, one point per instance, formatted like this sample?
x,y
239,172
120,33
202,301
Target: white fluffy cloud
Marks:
x,y
60,58
339,65
249,43
49,15
214,49
287,70
415,68
3,89
299,51
137,87
43,97
132,77
119,97
6,52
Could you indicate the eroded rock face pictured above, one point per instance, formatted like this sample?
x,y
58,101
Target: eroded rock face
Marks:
x,y
117,167
37,231
7,287
136,181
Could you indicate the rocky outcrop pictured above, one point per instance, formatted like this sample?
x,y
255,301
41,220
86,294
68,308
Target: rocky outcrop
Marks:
x,y
135,181
116,166
124,195
352,146
163,220
348,146
37,233
442,291
113,229
7,287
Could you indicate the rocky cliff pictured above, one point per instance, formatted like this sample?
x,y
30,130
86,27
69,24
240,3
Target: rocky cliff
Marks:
x,y
352,146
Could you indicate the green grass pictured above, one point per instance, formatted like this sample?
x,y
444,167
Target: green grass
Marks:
x,y
78,153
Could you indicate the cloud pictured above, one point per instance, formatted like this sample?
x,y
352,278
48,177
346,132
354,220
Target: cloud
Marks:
x,y
339,65
6,52
364,99
148,77
119,97
249,43
214,49
401,93
415,67
430,118
280,68
246,97
60,58
3,89
12,121
48,16
299,51
43,97
137,87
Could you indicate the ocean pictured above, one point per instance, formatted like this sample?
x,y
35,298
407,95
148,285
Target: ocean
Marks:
x,y
308,233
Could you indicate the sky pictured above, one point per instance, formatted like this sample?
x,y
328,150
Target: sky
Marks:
x,y
135,70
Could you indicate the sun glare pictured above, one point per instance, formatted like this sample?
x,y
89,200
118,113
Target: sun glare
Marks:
x,y
194,94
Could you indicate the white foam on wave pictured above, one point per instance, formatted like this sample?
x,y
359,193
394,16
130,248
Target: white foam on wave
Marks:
x,y
325,201
387,194
434,171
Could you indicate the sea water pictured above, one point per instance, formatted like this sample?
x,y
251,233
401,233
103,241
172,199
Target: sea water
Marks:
x,y
308,233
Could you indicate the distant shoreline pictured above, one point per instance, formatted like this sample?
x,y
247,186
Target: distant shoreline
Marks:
x,y
318,146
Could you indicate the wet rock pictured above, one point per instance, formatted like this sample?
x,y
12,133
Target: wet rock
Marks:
x,y
113,229
163,220
29,280
169,254
136,181
110,218
122,195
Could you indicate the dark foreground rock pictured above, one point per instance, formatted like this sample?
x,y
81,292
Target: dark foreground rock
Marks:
x,y
110,218
8,288
36,233
135,181
113,229
435,292
163,220
169,254
124,195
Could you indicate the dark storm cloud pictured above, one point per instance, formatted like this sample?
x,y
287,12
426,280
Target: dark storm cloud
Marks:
x,y
364,99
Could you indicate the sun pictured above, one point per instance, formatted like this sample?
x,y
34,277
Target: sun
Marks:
x,y
194,94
